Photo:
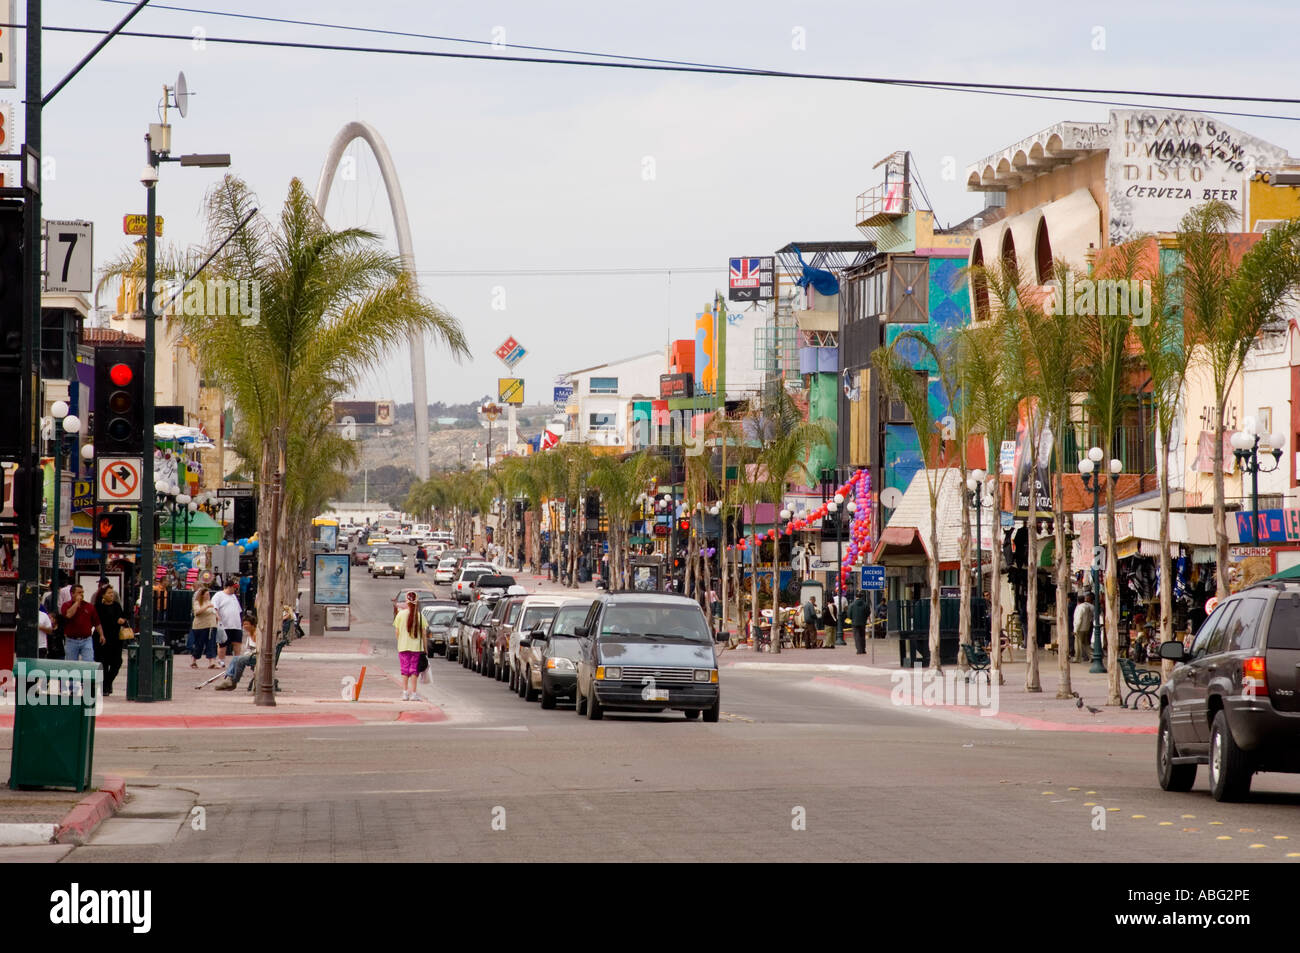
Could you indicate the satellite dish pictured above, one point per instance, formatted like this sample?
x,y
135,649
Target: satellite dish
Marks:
x,y
890,497
182,95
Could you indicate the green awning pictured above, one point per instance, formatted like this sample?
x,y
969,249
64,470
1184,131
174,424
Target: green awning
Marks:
x,y
203,529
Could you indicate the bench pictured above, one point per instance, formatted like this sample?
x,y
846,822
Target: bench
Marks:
x,y
978,660
1141,683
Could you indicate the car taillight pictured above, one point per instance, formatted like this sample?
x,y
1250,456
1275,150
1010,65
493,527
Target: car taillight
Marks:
x,y
1254,680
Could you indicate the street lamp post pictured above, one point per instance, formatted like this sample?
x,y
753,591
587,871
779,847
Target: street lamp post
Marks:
x,y
149,179
834,506
1245,447
64,423
976,484
1088,469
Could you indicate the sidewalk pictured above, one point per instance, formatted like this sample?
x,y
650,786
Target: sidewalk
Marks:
x,y
843,669
31,822
316,676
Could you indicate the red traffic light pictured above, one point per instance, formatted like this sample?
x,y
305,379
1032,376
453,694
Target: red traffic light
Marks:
x,y
120,374
114,527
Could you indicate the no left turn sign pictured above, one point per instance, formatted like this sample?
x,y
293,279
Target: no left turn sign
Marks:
x,y
119,479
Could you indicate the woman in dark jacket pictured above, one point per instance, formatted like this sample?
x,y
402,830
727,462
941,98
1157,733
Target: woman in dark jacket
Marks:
x,y
112,617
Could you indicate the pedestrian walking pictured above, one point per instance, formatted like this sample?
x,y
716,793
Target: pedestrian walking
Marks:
x,y
229,615
112,620
80,626
859,612
809,623
203,629
829,615
1084,614
410,629
421,554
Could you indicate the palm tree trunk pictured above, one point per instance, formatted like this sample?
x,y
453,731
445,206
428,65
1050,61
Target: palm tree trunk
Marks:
x,y
776,585
267,618
964,554
1112,602
995,592
1064,689
1220,514
1032,682
1166,561
935,664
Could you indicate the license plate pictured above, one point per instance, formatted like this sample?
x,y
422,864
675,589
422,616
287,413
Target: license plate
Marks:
x,y
660,695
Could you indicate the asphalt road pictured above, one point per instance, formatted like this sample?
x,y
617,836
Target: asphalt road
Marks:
x,y
793,771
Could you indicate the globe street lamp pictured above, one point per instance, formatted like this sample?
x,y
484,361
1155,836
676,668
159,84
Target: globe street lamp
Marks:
x,y
1245,447
64,423
1089,470
976,485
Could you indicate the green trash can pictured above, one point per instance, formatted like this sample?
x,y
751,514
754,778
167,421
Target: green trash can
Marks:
x,y
54,723
163,668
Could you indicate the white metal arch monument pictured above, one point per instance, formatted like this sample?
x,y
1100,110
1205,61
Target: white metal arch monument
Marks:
x,y
419,389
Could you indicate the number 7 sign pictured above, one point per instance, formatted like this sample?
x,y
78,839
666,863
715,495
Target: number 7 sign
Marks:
x,y
69,257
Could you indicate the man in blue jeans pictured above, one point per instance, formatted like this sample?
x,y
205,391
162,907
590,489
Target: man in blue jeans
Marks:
x,y
80,626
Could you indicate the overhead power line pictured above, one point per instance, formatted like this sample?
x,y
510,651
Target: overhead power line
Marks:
x,y
548,272
1029,91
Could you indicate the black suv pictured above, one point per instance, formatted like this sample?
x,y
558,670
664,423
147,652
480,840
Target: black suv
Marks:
x,y
641,651
1233,702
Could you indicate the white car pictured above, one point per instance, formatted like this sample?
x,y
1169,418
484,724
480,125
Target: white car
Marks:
x,y
536,609
446,571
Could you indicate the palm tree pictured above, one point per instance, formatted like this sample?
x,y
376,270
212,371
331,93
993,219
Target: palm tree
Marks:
x,y
1227,304
988,362
333,305
901,381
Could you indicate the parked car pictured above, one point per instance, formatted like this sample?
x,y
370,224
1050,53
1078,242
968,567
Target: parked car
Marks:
x,y
467,636
496,631
528,639
461,587
558,649
646,652
387,561
361,553
1233,700
440,620
417,534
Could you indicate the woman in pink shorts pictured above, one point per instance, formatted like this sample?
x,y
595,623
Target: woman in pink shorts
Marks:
x,y
409,625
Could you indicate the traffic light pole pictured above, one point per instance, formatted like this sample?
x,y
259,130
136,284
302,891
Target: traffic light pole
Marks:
x,y
27,502
144,680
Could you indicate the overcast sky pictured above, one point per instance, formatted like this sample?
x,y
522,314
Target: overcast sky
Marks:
x,y
512,167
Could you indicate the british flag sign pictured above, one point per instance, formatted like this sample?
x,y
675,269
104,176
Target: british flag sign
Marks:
x,y
750,278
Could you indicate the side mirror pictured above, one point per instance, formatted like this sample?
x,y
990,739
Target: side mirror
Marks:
x,y
581,631
1173,651
525,641
460,616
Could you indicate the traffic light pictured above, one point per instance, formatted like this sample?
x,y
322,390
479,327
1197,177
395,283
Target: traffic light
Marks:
x,y
119,402
13,431
245,517
114,527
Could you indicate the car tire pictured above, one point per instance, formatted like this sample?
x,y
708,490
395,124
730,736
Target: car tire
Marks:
x,y
595,711
1229,765
529,693
711,714
579,701
691,714
1172,777
514,684
519,681
548,699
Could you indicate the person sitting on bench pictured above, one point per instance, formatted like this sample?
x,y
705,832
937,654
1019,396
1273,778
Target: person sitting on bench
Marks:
x,y
235,670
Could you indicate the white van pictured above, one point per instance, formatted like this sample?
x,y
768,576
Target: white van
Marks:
x,y
419,533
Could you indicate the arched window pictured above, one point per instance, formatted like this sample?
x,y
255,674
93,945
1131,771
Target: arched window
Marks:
x,y
979,287
1043,253
1009,250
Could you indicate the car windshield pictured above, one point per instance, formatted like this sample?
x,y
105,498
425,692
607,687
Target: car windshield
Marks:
x,y
670,623
446,563
566,619
536,614
440,616
469,575
388,553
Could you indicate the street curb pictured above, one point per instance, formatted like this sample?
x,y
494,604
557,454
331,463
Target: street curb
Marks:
x,y
27,835
91,811
808,667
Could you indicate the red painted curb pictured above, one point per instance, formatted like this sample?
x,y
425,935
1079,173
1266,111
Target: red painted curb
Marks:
x,y
269,720
90,812
1024,721
424,717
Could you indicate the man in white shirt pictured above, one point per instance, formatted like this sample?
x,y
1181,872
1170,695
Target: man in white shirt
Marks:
x,y
229,618
1083,622
44,626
